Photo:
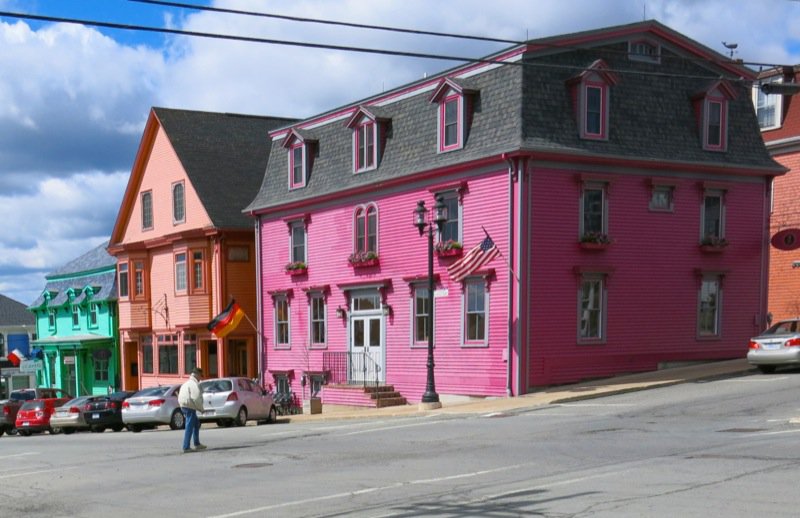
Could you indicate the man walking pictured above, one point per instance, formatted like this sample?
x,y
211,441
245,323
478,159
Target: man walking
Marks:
x,y
190,398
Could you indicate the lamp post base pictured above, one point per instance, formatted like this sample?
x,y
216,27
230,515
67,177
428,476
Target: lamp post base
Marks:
x,y
429,406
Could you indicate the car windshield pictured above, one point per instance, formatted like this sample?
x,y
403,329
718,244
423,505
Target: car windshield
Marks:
x,y
22,395
33,405
783,328
216,386
152,391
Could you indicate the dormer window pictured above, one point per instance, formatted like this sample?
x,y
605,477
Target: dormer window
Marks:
x,y
643,50
370,127
591,93
455,101
711,107
299,158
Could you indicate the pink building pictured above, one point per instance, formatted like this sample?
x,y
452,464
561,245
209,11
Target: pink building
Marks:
x,y
620,173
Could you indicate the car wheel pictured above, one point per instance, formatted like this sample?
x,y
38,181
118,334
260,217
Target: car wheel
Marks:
x,y
273,415
13,431
241,417
766,369
135,428
177,421
2,431
98,429
24,433
68,431
55,431
118,427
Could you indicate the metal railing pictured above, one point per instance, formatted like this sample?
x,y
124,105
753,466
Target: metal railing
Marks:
x,y
351,368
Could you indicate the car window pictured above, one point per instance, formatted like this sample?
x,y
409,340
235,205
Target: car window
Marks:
x,y
33,405
23,395
77,401
216,386
783,328
152,391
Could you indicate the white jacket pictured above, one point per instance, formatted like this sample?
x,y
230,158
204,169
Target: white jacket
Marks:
x,y
191,395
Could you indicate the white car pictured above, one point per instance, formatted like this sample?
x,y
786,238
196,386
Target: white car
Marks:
x,y
151,407
235,400
777,346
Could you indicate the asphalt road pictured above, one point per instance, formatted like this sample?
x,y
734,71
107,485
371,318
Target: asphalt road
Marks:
x,y
724,447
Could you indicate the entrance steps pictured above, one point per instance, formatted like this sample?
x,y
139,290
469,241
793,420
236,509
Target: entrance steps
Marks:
x,y
374,396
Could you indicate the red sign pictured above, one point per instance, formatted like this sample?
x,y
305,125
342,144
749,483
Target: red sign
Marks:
x,y
788,239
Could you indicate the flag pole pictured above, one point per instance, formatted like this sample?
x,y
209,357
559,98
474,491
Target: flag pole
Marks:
x,y
501,255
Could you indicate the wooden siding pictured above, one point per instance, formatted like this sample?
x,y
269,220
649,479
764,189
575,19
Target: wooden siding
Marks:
x,y
403,253
653,290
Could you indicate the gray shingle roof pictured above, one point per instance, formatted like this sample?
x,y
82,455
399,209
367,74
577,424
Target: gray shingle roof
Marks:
x,y
530,108
224,156
13,313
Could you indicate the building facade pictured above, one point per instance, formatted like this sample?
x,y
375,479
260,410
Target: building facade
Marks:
x,y
17,329
620,173
183,247
77,326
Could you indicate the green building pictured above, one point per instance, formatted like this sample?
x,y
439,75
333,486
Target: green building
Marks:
x,y
77,326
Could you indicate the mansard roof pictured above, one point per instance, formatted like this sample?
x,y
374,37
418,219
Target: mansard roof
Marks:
x,y
526,106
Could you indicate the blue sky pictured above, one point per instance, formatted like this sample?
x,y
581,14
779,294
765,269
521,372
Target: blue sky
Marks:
x,y
74,99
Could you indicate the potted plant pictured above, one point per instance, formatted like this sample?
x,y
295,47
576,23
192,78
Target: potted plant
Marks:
x,y
711,243
363,259
296,268
595,240
449,248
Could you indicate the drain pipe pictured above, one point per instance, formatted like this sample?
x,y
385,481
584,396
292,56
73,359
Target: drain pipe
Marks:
x,y
512,171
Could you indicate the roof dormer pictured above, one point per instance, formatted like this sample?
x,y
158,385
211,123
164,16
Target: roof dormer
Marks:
x,y
300,157
370,129
455,98
591,95
711,111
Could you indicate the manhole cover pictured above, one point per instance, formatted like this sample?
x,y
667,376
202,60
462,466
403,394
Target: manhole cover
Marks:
x,y
743,430
253,465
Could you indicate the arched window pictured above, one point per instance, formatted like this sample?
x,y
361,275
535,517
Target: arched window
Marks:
x,y
178,203
366,229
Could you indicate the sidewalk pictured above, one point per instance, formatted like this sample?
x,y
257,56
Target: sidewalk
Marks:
x,y
547,396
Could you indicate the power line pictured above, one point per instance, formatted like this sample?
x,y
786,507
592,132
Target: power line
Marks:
x,y
327,22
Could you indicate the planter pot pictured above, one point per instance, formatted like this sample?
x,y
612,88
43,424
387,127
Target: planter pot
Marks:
x,y
711,249
452,252
297,271
594,246
312,406
366,264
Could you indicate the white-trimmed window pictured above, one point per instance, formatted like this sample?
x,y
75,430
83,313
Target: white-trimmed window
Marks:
x,y
450,121
594,210
297,165
180,272
178,203
591,308
595,110
662,198
709,304
451,230
51,319
122,268
282,329
147,210
365,229
139,287
476,312
420,313
168,354
715,124
297,242
93,307
76,316
769,107
713,217
365,136
643,50
318,320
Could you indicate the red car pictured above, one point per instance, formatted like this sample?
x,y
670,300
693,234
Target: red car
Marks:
x,y
34,416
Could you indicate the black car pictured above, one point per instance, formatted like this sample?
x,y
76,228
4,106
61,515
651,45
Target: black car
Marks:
x,y
106,411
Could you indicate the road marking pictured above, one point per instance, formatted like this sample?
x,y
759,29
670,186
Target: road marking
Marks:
x,y
19,455
774,433
593,404
393,427
765,379
27,473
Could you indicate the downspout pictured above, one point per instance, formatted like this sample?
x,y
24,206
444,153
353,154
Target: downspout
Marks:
x,y
522,273
510,346
765,252
259,341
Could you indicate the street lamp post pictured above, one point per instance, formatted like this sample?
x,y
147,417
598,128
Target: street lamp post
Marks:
x,y
438,218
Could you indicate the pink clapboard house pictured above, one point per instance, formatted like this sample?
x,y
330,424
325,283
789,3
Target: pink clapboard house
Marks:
x,y
619,172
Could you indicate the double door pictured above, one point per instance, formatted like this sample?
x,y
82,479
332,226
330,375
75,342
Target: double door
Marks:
x,y
366,346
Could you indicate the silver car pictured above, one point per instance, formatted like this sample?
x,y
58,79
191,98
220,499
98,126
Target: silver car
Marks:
x,y
235,400
779,345
69,416
151,407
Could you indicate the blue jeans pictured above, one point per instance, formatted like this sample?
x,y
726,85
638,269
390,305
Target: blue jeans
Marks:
x,y
192,428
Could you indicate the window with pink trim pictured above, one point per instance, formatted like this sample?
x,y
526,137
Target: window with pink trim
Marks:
x,y
297,166
365,149
450,122
595,111
715,125
366,229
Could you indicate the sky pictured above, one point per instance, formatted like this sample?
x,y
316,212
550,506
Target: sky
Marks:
x,y
74,98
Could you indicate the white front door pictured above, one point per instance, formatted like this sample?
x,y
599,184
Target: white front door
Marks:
x,y
366,339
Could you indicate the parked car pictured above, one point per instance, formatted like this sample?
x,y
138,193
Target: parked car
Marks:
x,y
777,346
235,400
10,407
34,415
106,411
69,416
151,407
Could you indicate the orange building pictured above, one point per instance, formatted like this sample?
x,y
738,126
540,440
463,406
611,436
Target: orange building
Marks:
x,y
184,248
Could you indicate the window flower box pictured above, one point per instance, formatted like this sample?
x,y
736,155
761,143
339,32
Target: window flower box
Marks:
x,y
363,259
713,244
297,268
595,241
449,248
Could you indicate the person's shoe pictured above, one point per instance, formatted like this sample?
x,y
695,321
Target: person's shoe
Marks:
x,y
200,446
187,450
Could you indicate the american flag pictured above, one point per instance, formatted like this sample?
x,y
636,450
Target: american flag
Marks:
x,y
483,252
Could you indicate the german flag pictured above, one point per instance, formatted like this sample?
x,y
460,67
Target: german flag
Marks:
x,y
226,321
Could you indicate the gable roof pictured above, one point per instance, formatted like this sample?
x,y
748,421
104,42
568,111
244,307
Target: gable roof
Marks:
x,y
224,156
13,313
526,106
